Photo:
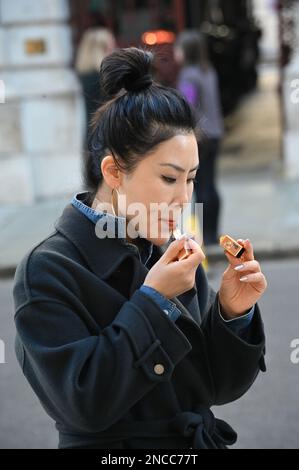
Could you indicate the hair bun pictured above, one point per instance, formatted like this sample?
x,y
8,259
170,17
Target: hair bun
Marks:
x,y
141,83
127,68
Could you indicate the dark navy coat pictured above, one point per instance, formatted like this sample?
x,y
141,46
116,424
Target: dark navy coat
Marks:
x,y
105,361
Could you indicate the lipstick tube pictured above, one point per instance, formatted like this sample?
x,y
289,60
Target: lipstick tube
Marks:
x,y
186,251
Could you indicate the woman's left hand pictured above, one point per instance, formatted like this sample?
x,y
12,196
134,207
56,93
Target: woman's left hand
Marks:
x,y
237,296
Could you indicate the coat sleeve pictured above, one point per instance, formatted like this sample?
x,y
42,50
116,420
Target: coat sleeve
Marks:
x,y
87,381
235,359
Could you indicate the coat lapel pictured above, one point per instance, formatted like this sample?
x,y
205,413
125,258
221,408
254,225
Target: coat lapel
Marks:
x,y
103,256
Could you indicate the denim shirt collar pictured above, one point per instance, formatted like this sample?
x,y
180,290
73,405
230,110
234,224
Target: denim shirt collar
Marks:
x,y
145,248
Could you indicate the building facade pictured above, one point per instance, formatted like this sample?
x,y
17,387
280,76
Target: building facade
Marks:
x,y
41,112
289,39
42,119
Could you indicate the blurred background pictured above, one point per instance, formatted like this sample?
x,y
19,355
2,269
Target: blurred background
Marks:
x,y
48,90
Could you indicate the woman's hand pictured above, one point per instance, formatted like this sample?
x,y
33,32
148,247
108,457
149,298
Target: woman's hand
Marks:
x,y
171,277
240,289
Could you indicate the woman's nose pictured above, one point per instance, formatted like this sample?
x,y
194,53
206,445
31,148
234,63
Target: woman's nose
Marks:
x,y
182,197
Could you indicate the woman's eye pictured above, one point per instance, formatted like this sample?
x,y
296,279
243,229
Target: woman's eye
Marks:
x,y
169,180
173,180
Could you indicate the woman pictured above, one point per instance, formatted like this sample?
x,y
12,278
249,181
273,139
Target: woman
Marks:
x,y
199,84
125,346
95,44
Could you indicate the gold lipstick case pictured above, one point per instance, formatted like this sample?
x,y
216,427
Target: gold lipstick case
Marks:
x,y
231,245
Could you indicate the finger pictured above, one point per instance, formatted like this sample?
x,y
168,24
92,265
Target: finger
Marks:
x,y
193,260
196,256
196,248
233,261
191,243
173,249
248,254
254,278
253,266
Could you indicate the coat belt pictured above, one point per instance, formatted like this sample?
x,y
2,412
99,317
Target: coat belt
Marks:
x,y
200,426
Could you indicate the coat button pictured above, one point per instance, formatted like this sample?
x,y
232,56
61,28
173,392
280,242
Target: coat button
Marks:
x,y
159,369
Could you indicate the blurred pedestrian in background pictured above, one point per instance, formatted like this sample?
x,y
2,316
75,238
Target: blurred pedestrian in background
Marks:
x,y
96,43
198,82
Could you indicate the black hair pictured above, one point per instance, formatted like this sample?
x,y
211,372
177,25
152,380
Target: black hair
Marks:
x,y
138,114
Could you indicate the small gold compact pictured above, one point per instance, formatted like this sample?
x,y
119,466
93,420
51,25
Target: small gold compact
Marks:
x,y
231,245
185,252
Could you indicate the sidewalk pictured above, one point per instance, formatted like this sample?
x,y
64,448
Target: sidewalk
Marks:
x,y
262,206
23,227
258,201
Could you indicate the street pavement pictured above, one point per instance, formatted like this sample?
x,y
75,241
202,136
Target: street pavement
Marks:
x,y
267,416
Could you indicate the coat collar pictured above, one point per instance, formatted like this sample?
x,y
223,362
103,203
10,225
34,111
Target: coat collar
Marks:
x,y
115,226
104,256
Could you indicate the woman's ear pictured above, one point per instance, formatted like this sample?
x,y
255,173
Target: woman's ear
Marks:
x,y
111,173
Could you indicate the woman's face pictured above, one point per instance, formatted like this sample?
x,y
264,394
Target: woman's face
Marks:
x,y
178,55
165,176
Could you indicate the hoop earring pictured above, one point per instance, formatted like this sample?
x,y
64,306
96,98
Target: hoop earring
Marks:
x,y
112,205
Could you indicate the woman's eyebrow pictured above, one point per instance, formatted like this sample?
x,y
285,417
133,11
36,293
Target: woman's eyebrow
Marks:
x,y
178,168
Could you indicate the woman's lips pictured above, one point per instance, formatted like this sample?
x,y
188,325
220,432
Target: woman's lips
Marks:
x,y
170,223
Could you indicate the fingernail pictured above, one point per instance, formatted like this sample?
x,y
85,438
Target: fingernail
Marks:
x,y
243,278
192,242
184,236
240,266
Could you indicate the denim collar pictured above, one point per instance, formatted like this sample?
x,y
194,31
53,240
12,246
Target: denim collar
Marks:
x,y
143,246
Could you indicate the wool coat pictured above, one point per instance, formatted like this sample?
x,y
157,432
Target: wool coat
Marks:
x,y
108,366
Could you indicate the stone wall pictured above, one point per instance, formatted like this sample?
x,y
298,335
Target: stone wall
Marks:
x,y
291,105
42,116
